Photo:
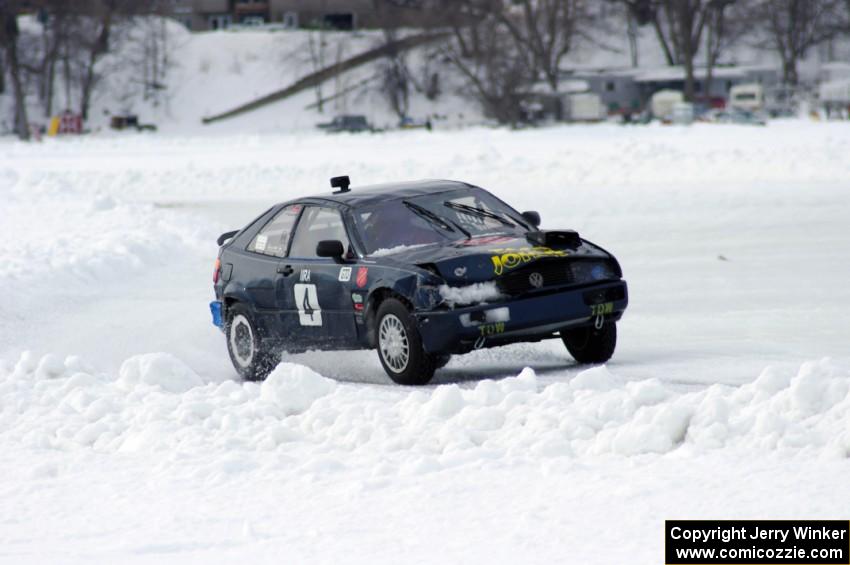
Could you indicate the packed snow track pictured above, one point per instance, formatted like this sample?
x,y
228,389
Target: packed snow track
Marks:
x,y
127,437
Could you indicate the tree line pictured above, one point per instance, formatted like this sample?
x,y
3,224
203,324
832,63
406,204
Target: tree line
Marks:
x,y
505,47
501,48
67,46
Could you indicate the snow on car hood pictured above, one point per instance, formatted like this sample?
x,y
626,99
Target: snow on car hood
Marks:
x,y
486,258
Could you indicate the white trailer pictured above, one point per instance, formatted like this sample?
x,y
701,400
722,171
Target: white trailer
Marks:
x,y
747,97
586,107
663,102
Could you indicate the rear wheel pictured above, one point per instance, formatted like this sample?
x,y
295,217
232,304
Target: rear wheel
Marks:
x,y
400,345
250,357
589,345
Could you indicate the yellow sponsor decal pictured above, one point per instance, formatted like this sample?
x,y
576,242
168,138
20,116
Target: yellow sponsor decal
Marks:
x,y
492,329
507,259
599,309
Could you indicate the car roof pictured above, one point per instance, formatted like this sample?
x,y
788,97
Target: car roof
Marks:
x,y
372,194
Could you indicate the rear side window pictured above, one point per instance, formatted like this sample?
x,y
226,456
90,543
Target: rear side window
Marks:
x,y
315,225
273,239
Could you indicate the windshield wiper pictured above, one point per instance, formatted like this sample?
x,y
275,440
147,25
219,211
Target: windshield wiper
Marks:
x,y
435,219
478,212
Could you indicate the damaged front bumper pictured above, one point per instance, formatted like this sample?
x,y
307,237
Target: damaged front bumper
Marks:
x,y
526,318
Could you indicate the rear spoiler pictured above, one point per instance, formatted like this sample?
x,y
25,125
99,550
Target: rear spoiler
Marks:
x,y
222,239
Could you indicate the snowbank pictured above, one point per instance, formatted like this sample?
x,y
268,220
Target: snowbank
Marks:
x,y
64,228
157,403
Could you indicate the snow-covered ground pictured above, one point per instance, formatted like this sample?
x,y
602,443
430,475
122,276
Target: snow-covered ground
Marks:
x,y
126,437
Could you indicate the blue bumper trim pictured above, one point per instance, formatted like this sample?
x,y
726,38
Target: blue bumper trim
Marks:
x,y
215,310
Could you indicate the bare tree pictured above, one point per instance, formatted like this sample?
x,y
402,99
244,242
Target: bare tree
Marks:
x,y
496,71
844,23
95,46
640,13
793,27
99,26
544,30
396,79
726,23
150,52
399,76
679,26
547,29
9,35
684,22
40,50
318,46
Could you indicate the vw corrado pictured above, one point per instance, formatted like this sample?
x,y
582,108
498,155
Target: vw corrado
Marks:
x,y
418,271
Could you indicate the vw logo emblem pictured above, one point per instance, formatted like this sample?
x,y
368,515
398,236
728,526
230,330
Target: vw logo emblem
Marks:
x,y
536,280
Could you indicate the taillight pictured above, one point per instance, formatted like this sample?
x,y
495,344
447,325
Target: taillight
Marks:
x,y
216,270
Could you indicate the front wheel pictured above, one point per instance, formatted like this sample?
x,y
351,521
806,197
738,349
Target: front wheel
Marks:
x,y
400,345
589,345
250,357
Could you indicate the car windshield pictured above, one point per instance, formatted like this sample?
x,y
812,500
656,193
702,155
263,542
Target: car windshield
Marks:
x,y
436,218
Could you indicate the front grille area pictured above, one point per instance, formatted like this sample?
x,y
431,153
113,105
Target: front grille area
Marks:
x,y
554,273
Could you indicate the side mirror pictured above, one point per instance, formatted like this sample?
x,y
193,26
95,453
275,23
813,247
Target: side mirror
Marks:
x,y
532,218
330,248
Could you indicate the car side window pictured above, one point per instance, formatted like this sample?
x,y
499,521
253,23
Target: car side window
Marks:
x,y
317,224
273,239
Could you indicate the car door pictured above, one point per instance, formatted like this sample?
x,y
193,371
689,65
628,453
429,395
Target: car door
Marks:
x,y
321,304
265,252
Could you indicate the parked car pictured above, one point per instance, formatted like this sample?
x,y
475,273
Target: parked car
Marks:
x,y
748,97
129,121
419,271
347,123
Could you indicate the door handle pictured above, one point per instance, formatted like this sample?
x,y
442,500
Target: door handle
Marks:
x,y
286,270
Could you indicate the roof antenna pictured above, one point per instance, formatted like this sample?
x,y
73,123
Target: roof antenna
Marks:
x,y
342,183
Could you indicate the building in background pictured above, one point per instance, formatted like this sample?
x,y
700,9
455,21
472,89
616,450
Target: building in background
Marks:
x,y
210,15
629,90
203,15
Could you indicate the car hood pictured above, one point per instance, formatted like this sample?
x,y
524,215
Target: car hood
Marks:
x,y
485,258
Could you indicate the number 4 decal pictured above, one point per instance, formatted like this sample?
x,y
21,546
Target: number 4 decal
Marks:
x,y
307,302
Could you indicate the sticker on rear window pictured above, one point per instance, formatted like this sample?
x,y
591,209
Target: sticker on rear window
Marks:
x,y
262,240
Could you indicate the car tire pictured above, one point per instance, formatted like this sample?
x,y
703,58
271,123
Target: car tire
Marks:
x,y
589,345
399,345
251,358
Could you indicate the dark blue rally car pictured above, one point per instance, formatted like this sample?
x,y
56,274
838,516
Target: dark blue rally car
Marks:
x,y
418,271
